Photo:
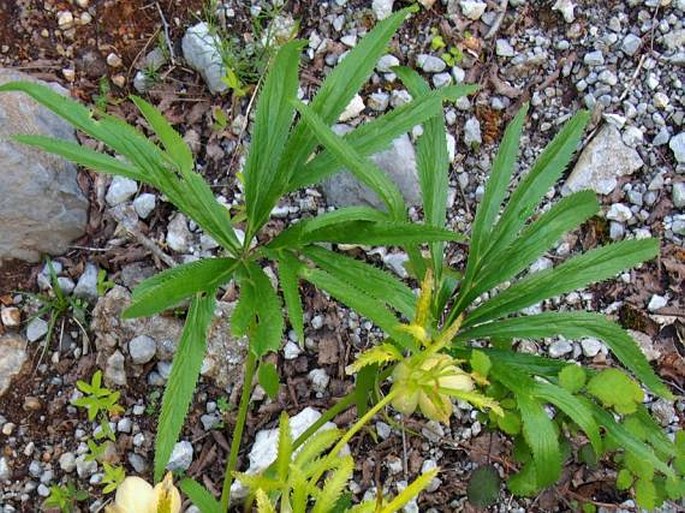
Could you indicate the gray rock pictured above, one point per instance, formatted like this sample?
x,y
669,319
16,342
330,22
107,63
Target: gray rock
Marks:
x,y
616,230
633,136
442,80
631,44
472,9
319,379
66,284
595,58
145,204
430,63
657,302
472,133
125,425
181,457
12,358
386,63
560,348
398,161
382,8
115,372
142,349
291,350
87,285
503,48
138,463
5,471
36,329
678,194
591,346
378,101
619,212
67,462
120,190
677,145
678,226
604,159
663,411
178,235
32,228
202,52
85,468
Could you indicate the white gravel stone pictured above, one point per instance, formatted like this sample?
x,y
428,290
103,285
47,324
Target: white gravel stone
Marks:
x,y
678,194
181,456
616,230
378,101
473,10
36,329
319,379
631,44
145,204
632,136
87,285
10,316
85,468
565,7
657,302
382,8
124,425
560,348
178,235
594,58
472,133
503,48
142,349
442,80
430,63
5,471
396,262
386,63
67,462
291,350
663,412
202,52
353,109
591,346
677,145
120,190
619,212
115,371
384,430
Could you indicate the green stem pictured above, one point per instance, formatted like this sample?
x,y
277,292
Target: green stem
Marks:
x,y
250,365
355,429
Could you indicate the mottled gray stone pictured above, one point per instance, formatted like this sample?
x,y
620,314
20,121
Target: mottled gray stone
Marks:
x,y
12,358
181,456
41,205
603,160
202,51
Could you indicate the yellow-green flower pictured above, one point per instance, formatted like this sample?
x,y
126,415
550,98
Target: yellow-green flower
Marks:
x,y
135,495
429,384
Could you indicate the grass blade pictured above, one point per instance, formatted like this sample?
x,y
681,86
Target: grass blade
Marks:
x,y
184,374
200,496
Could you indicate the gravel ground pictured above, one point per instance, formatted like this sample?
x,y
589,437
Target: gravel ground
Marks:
x,y
622,60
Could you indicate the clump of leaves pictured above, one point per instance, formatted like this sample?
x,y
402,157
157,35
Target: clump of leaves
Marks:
x,y
64,497
97,398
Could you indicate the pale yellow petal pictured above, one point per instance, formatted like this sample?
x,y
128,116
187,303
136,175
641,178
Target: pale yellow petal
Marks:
x,y
134,495
166,497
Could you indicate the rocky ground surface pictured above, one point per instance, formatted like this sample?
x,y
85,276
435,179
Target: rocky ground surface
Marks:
x,y
622,60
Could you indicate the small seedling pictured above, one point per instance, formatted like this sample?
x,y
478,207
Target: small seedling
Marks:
x,y
64,497
113,477
103,285
97,398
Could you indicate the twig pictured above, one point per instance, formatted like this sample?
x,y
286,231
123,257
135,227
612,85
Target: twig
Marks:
x,y
630,84
167,36
498,21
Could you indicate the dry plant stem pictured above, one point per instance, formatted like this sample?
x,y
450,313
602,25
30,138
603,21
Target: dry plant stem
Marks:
x,y
250,365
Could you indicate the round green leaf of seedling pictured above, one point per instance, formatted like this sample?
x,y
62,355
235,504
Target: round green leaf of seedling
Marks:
x,y
572,378
483,487
615,389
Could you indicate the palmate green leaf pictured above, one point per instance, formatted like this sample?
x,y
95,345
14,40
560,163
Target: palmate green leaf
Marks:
x,y
575,325
274,115
495,190
591,267
528,194
288,273
376,134
200,496
170,287
572,378
269,326
363,169
173,143
184,374
186,189
532,243
338,89
614,389
356,299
